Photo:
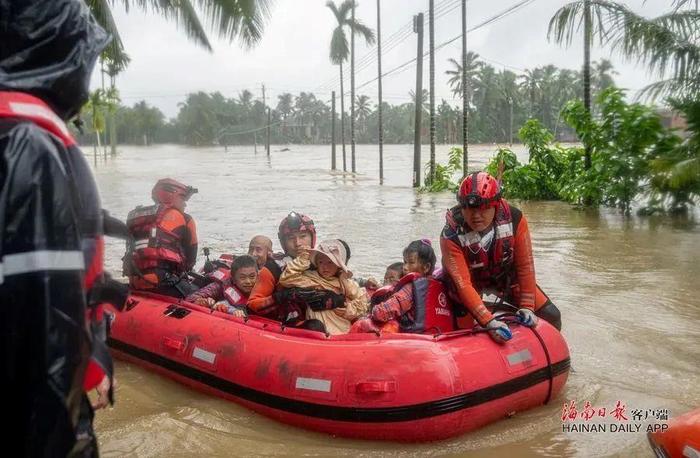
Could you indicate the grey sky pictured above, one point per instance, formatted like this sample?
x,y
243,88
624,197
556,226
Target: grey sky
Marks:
x,y
293,55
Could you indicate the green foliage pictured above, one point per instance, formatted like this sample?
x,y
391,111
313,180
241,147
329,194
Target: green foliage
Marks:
x,y
100,100
621,142
675,164
538,179
444,174
669,44
232,20
632,155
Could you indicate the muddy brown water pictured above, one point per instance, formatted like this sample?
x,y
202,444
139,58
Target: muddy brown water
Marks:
x,y
626,286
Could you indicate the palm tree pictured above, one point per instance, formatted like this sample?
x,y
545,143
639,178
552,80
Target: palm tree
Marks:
x,y
304,106
363,110
245,100
447,121
232,19
340,51
455,81
669,44
425,105
285,108
531,86
602,75
284,104
510,96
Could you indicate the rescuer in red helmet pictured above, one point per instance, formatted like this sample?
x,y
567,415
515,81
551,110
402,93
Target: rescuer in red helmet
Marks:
x,y
486,249
163,244
296,230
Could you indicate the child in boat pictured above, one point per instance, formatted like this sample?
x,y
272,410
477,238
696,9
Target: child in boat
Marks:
x,y
416,303
393,274
324,269
231,295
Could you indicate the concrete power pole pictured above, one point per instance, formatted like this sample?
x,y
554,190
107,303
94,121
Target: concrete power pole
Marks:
x,y
418,28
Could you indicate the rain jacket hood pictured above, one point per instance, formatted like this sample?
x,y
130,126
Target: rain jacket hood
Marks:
x,y
48,48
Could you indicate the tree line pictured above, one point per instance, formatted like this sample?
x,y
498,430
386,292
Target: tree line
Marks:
x,y
497,100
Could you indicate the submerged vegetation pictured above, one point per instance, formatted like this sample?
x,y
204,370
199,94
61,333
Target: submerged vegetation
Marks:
x,y
628,155
634,158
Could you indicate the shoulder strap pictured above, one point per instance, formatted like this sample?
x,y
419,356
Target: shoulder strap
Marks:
x,y
408,278
25,106
274,269
515,214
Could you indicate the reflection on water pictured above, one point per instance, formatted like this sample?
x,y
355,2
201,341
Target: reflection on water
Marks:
x,y
626,288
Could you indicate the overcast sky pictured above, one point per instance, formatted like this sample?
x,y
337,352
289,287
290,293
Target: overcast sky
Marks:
x,y
293,54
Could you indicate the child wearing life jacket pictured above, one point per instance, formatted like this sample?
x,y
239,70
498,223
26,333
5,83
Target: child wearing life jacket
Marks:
x,y
393,274
230,293
317,286
416,303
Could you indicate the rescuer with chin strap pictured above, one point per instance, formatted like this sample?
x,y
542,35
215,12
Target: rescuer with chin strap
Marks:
x,y
163,243
486,249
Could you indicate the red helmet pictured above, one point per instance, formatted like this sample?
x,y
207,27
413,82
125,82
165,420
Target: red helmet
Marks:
x,y
479,190
296,222
166,189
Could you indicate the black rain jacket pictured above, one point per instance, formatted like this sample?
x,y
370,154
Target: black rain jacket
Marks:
x,y
51,233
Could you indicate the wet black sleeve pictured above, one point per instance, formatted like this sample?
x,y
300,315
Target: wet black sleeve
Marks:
x,y
45,347
190,242
114,227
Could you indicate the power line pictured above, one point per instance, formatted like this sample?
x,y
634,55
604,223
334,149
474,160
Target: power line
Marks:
x,y
488,21
440,12
398,69
399,35
394,40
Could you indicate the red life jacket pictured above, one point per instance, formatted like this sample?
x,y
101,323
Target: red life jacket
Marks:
x,y
234,296
222,273
19,105
152,246
492,267
431,310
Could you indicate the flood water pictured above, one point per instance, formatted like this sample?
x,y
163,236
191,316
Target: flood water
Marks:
x,y
626,286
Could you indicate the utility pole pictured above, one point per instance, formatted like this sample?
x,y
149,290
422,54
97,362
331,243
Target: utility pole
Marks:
x,y
342,118
431,23
379,90
104,111
112,120
333,131
352,91
268,120
267,146
263,93
510,100
587,72
465,102
418,28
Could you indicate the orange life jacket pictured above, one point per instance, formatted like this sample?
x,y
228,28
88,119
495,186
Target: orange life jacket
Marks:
x,y
151,245
492,267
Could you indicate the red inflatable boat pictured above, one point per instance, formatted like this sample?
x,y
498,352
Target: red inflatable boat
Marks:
x,y
680,438
399,387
